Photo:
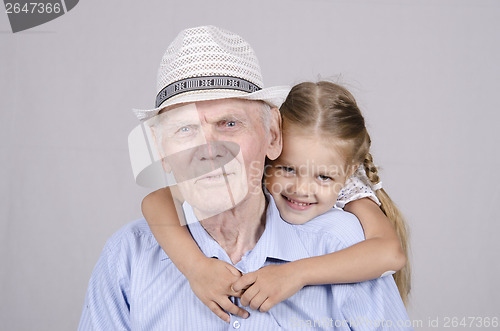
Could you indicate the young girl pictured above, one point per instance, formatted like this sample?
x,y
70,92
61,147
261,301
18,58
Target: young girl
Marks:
x,y
325,141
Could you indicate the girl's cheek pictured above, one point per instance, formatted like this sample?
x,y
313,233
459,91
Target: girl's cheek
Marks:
x,y
268,182
275,185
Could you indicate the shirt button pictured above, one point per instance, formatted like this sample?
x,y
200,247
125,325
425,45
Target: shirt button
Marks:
x,y
236,324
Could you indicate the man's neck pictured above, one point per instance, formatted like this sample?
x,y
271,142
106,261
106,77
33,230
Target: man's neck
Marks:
x,y
238,230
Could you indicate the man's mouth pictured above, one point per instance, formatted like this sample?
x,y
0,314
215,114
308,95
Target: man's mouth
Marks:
x,y
214,178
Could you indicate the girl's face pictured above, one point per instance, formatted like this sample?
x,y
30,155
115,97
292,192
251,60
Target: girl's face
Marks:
x,y
306,178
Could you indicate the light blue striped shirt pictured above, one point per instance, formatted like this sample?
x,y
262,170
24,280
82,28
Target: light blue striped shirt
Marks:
x,y
135,286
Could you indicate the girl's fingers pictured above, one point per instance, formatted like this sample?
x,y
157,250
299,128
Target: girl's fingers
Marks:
x,y
230,307
216,309
234,293
258,300
233,270
244,282
266,305
249,294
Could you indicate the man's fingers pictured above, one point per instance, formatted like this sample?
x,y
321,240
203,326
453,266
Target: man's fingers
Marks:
x,y
244,282
214,307
230,307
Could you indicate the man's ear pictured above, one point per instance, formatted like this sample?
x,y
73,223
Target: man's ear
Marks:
x,y
275,143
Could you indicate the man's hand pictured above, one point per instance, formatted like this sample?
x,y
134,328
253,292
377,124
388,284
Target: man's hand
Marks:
x,y
268,286
211,282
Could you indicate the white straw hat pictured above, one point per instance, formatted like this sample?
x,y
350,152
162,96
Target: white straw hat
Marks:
x,y
209,63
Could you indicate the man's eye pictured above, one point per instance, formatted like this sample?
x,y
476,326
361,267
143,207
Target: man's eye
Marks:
x,y
228,124
185,131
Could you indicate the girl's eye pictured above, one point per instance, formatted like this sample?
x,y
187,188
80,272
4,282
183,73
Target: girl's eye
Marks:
x,y
324,178
287,170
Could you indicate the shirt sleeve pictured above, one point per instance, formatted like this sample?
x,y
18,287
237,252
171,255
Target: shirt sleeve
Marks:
x,y
106,305
376,305
370,305
357,186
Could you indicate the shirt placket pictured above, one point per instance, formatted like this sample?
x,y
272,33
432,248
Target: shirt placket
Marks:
x,y
236,323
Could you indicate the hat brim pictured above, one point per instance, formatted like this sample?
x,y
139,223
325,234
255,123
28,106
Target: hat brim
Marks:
x,y
274,96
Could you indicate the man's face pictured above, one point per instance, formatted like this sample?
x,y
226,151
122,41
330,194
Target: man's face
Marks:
x,y
216,151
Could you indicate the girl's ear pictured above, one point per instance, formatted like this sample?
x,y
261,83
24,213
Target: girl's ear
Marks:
x,y
353,169
275,138
350,171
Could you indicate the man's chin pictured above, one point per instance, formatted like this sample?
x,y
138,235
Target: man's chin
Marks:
x,y
214,202
211,210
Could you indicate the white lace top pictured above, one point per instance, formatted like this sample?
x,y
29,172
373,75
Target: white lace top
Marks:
x,y
356,187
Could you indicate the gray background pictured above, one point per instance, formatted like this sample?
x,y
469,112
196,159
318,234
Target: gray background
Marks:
x,y
425,73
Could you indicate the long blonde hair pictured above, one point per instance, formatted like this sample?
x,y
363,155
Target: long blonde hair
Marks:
x,y
329,109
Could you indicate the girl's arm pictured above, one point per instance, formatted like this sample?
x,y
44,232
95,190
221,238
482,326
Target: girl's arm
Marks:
x,y
379,253
163,213
369,259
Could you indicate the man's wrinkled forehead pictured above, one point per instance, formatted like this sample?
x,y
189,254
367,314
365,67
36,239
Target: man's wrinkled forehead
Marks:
x,y
214,110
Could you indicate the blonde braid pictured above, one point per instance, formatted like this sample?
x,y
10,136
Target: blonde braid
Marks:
x,y
371,169
403,276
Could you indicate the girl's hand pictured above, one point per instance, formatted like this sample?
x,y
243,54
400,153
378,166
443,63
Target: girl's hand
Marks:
x,y
211,282
269,286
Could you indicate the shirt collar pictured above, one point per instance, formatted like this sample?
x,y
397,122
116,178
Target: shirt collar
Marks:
x,y
280,240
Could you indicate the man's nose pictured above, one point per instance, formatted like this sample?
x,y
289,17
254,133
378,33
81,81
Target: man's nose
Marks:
x,y
212,151
202,159
214,155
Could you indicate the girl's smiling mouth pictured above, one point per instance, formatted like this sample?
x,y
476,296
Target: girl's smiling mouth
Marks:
x,y
297,205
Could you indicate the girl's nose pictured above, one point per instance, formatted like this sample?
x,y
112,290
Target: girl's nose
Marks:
x,y
302,186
